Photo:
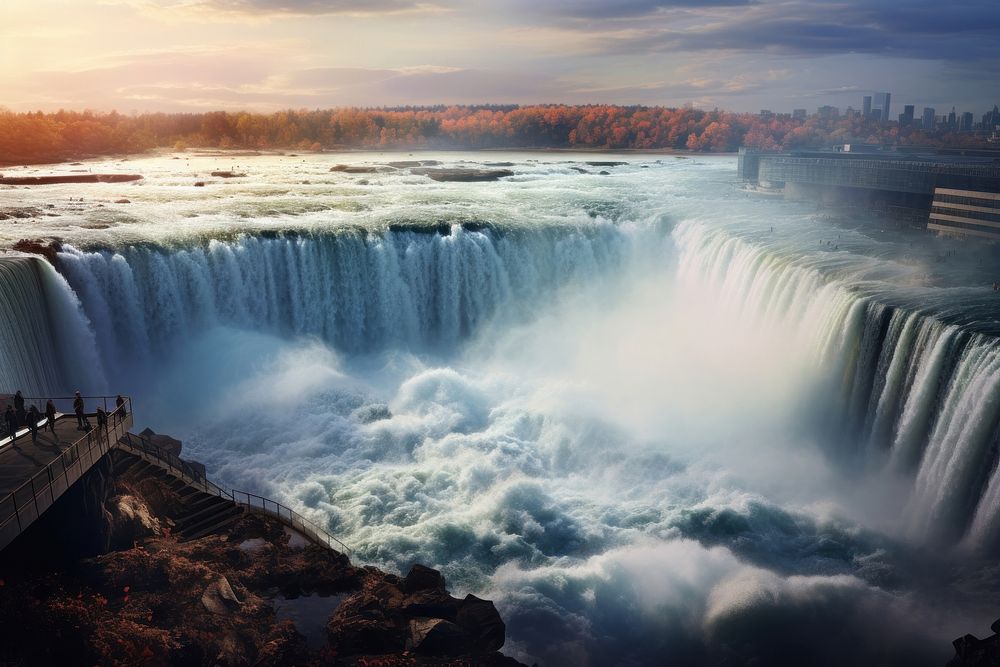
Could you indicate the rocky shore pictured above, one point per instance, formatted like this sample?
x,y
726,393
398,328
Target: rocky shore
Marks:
x,y
107,578
68,178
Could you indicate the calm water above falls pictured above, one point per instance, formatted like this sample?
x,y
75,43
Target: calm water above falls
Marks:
x,y
651,416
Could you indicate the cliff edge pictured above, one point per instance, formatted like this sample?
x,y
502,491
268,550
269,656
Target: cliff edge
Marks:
x,y
254,592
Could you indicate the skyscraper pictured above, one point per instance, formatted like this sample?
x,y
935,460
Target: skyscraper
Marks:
x,y
867,109
882,102
906,118
928,122
967,122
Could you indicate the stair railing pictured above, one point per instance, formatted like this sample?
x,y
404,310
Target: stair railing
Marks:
x,y
255,503
22,506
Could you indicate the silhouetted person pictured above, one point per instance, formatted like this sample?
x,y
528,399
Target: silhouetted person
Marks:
x,y
50,415
102,419
119,409
19,406
10,418
33,419
82,423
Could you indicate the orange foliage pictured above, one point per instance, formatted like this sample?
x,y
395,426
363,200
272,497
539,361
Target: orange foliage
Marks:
x,y
40,137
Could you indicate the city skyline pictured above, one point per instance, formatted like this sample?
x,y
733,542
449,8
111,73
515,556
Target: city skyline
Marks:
x,y
195,55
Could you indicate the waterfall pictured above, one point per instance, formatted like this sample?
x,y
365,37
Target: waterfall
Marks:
x,y
46,343
903,390
357,291
908,390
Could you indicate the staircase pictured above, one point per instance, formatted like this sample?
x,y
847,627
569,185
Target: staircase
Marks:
x,y
203,514
207,507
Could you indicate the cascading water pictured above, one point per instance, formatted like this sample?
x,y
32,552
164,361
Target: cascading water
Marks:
x,y
923,395
357,291
46,345
607,427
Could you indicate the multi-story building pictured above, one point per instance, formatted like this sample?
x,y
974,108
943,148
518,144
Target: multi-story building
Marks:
x,y
929,120
906,118
965,213
968,120
882,102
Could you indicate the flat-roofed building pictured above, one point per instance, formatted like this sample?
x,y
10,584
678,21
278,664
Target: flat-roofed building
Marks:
x,y
965,213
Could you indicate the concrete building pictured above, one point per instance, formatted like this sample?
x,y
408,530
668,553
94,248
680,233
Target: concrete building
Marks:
x,y
905,184
867,107
965,213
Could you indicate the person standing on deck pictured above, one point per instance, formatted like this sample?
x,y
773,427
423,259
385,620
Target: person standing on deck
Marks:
x,y
102,419
19,406
33,419
10,417
82,423
50,415
119,409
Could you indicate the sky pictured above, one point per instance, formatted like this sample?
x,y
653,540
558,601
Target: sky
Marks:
x,y
266,55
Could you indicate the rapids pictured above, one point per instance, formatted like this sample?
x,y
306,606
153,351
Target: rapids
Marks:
x,y
655,418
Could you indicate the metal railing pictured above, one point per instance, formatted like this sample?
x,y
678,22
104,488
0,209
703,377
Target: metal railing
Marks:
x,y
193,476
22,506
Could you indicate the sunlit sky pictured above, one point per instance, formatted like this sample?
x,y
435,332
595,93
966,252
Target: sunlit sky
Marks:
x,y
194,55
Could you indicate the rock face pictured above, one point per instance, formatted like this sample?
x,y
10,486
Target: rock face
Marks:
x,y
347,169
165,442
416,613
970,651
48,249
462,175
156,599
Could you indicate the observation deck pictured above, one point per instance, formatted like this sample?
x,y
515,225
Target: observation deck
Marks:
x,y
35,474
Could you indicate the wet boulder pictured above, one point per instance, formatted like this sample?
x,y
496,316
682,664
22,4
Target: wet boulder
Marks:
x,y
436,636
481,620
422,578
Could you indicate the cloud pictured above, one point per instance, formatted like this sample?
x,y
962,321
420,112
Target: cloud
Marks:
x,y
227,9
917,30
601,9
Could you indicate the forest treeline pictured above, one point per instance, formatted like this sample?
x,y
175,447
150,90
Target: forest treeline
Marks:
x,y
35,137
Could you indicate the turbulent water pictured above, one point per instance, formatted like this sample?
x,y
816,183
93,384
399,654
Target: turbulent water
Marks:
x,y
655,419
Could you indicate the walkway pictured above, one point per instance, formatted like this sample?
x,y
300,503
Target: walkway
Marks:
x,y
33,475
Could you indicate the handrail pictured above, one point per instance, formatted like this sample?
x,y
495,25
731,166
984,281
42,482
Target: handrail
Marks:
x,y
70,461
252,501
53,479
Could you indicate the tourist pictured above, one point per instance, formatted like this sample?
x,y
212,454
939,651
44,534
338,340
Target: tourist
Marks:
x,y
33,419
50,415
102,419
10,417
82,423
19,406
119,409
